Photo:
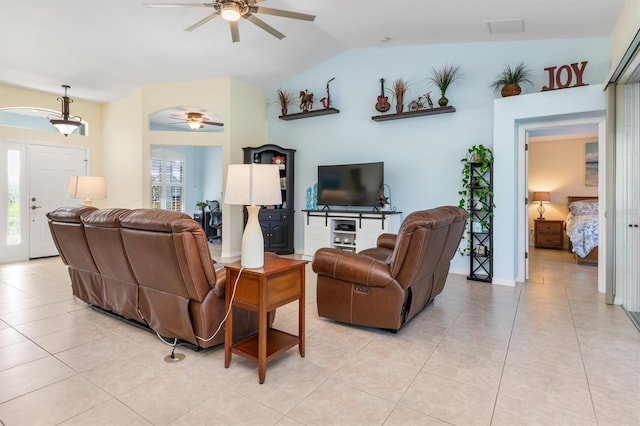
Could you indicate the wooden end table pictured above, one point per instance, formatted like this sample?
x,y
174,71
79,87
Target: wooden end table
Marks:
x,y
280,281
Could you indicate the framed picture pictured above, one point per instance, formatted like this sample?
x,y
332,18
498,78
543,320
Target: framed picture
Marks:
x,y
591,164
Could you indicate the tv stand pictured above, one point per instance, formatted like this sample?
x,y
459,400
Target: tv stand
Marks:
x,y
346,229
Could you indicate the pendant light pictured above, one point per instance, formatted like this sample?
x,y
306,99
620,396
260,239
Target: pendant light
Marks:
x,y
66,124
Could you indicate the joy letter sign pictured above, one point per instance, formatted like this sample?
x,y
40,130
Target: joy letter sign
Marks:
x,y
562,77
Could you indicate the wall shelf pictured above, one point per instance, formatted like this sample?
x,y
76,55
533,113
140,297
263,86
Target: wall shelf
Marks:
x,y
307,114
418,113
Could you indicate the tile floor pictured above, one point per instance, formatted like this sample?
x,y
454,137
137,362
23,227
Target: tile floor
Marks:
x,y
549,352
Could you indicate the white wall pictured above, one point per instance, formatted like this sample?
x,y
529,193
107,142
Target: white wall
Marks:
x,y
422,155
625,30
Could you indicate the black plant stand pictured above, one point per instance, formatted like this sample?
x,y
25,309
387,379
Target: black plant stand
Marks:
x,y
481,224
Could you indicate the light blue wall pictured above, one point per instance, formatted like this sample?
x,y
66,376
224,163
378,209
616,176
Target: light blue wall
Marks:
x,y
211,166
422,155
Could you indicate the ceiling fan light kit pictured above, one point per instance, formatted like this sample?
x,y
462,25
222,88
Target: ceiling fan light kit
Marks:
x,y
233,10
65,123
230,11
195,120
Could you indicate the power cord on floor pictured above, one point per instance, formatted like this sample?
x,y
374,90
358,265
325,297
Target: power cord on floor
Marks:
x,y
173,357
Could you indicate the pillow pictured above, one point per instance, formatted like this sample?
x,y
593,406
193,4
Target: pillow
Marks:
x,y
584,208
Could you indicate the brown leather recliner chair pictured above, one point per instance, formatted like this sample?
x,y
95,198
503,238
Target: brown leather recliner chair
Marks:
x,y
387,285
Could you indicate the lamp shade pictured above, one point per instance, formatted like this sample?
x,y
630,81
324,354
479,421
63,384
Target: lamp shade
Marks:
x,y
88,188
66,127
542,196
253,185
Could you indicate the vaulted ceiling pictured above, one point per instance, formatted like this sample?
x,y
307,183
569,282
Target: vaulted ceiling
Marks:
x,y
106,49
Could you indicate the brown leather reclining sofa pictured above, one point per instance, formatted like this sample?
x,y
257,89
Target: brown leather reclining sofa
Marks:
x,y
148,266
387,285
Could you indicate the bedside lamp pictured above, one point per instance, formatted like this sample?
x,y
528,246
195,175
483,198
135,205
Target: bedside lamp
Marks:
x,y
253,185
542,197
88,187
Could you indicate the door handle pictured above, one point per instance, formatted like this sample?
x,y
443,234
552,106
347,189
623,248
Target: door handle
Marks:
x,y
33,207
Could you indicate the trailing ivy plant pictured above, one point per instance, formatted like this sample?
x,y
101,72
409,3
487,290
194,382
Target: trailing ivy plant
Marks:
x,y
475,195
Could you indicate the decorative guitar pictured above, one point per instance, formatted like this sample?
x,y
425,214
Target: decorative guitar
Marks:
x,y
383,101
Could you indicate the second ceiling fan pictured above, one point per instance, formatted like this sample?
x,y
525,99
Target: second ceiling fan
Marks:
x,y
233,10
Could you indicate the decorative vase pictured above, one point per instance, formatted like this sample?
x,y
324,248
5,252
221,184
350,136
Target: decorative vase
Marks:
x,y
399,107
283,111
443,101
510,90
309,198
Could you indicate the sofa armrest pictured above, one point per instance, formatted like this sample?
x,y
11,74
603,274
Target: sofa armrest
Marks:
x,y
387,241
351,267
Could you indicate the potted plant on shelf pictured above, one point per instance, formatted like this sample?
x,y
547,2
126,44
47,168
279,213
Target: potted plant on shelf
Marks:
x,y
443,77
509,81
398,90
476,196
285,98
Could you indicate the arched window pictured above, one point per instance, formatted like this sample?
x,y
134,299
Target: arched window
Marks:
x,y
167,180
34,118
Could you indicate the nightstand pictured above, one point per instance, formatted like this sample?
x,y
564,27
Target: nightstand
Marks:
x,y
548,233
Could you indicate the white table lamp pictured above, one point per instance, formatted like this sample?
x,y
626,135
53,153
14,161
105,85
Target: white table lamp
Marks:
x,y
253,185
88,188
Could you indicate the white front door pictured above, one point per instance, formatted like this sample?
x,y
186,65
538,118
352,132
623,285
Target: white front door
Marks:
x,y
50,168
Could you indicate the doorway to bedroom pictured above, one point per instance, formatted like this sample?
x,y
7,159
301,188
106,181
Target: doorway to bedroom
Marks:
x,y
562,168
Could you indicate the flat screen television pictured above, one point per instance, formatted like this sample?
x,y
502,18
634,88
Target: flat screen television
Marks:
x,y
350,184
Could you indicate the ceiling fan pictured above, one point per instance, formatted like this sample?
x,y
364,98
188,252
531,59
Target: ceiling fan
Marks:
x,y
195,120
233,10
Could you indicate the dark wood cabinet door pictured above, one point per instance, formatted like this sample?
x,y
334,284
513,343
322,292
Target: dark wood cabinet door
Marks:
x,y
278,235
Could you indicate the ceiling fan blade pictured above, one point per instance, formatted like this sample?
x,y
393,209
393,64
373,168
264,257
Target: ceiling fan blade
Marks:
x,y
268,28
202,21
213,123
179,4
283,13
252,2
235,31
